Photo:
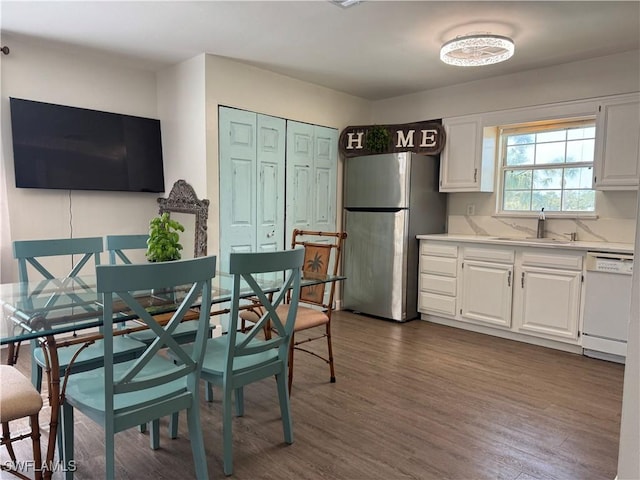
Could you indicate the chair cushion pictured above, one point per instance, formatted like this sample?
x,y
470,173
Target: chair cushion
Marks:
x,y
17,396
305,317
124,349
184,333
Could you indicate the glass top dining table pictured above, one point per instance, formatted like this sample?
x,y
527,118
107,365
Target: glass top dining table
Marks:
x,y
64,305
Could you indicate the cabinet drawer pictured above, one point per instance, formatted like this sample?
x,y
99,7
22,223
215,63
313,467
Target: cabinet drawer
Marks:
x,y
439,265
489,254
438,304
552,260
438,249
438,284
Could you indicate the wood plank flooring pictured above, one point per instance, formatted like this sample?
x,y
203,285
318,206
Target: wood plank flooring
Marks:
x,y
412,401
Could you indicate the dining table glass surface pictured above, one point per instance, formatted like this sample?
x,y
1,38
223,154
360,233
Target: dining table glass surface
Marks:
x,y
63,305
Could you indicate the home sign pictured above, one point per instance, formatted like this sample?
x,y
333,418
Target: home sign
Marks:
x,y
426,138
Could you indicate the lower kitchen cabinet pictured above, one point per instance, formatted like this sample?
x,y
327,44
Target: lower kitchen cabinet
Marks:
x,y
523,292
547,298
487,286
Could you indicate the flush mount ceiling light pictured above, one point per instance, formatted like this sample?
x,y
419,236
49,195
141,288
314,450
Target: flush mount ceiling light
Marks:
x,y
476,50
345,3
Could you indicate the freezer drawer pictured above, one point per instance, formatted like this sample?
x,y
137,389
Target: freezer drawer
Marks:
x,y
375,265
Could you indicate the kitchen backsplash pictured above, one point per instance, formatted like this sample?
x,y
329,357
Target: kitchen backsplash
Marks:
x,y
614,230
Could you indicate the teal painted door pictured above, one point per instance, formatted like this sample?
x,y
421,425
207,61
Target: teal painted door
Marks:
x,y
252,182
312,162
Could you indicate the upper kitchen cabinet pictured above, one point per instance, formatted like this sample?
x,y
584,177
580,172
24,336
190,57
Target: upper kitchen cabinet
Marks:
x,y
617,148
468,159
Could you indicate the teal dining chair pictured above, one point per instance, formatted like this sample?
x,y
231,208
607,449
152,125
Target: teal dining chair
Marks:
x,y
124,395
238,359
31,256
117,247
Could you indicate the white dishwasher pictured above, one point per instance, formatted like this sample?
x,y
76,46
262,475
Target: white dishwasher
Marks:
x,y
606,307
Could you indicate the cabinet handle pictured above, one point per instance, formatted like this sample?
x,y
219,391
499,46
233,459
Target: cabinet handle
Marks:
x,y
522,280
475,174
508,279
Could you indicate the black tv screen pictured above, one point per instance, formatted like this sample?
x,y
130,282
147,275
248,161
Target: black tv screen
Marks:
x,y
56,146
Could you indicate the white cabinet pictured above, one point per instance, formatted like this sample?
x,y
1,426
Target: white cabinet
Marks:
x,y
437,285
547,297
468,159
617,148
487,285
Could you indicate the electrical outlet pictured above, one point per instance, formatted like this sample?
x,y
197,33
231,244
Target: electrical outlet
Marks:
x,y
471,209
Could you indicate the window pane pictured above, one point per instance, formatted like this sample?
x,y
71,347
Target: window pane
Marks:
x,y
547,178
578,133
577,178
579,201
580,151
550,153
517,179
520,155
517,200
521,139
547,199
552,136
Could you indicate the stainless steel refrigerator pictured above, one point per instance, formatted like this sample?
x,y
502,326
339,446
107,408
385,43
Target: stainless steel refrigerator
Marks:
x,y
388,200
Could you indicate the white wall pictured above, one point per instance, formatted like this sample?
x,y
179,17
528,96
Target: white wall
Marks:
x,y
52,74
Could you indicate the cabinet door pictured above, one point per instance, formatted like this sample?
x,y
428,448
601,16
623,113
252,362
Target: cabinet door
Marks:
x,y
548,302
617,149
487,292
460,162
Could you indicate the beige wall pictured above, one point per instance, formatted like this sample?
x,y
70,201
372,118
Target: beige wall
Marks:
x,y
49,73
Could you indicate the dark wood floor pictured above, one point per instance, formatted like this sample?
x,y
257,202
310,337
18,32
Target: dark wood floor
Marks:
x,y
412,401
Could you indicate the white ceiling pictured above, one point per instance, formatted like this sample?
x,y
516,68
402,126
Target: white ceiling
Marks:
x,y
374,50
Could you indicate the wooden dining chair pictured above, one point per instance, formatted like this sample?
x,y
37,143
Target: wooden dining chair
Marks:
x,y
237,359
321,257
120,396
31,256
19,399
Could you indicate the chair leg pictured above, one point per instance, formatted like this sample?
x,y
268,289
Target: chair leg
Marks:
x,y
197,442
6,440
208,391
333,373
173,425
291,345
227,434
239,401
285,408
110,449
67,443
154,434
35,441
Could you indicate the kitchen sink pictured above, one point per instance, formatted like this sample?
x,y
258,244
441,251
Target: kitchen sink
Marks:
x,y
551,241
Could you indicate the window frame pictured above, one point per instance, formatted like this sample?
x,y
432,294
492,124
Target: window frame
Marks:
x,y
536,127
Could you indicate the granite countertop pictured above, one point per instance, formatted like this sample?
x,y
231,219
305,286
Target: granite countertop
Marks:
x,y
563,244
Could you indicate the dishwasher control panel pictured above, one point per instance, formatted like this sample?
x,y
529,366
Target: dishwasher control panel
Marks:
x,y
610,263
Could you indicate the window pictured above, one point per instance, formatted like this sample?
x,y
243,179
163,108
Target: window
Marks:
x,y
548,165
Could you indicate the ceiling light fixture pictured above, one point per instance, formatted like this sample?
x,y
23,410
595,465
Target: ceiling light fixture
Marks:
x,y
346,3
475,50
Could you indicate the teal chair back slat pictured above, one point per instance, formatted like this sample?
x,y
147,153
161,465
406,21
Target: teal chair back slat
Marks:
x,y
28,251
117,244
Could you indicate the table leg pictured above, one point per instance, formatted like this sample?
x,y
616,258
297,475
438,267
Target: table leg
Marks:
x,y
53,378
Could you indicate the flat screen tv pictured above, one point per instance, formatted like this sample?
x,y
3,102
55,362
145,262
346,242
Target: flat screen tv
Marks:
x,y
56,146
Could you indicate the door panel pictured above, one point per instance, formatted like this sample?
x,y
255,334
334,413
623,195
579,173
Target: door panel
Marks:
x,y
270,185
237,139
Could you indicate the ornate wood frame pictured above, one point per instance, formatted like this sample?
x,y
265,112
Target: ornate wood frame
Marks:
x,y
183,199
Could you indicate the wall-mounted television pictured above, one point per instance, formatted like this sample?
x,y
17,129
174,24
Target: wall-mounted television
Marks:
x,y
62,147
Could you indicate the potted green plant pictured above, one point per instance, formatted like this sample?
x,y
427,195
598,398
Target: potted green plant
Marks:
x,y
163,244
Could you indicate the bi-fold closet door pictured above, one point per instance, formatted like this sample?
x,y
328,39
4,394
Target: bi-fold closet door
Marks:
x,y
275,175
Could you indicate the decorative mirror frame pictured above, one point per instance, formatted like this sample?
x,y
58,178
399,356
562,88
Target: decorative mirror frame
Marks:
x,y
183,199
